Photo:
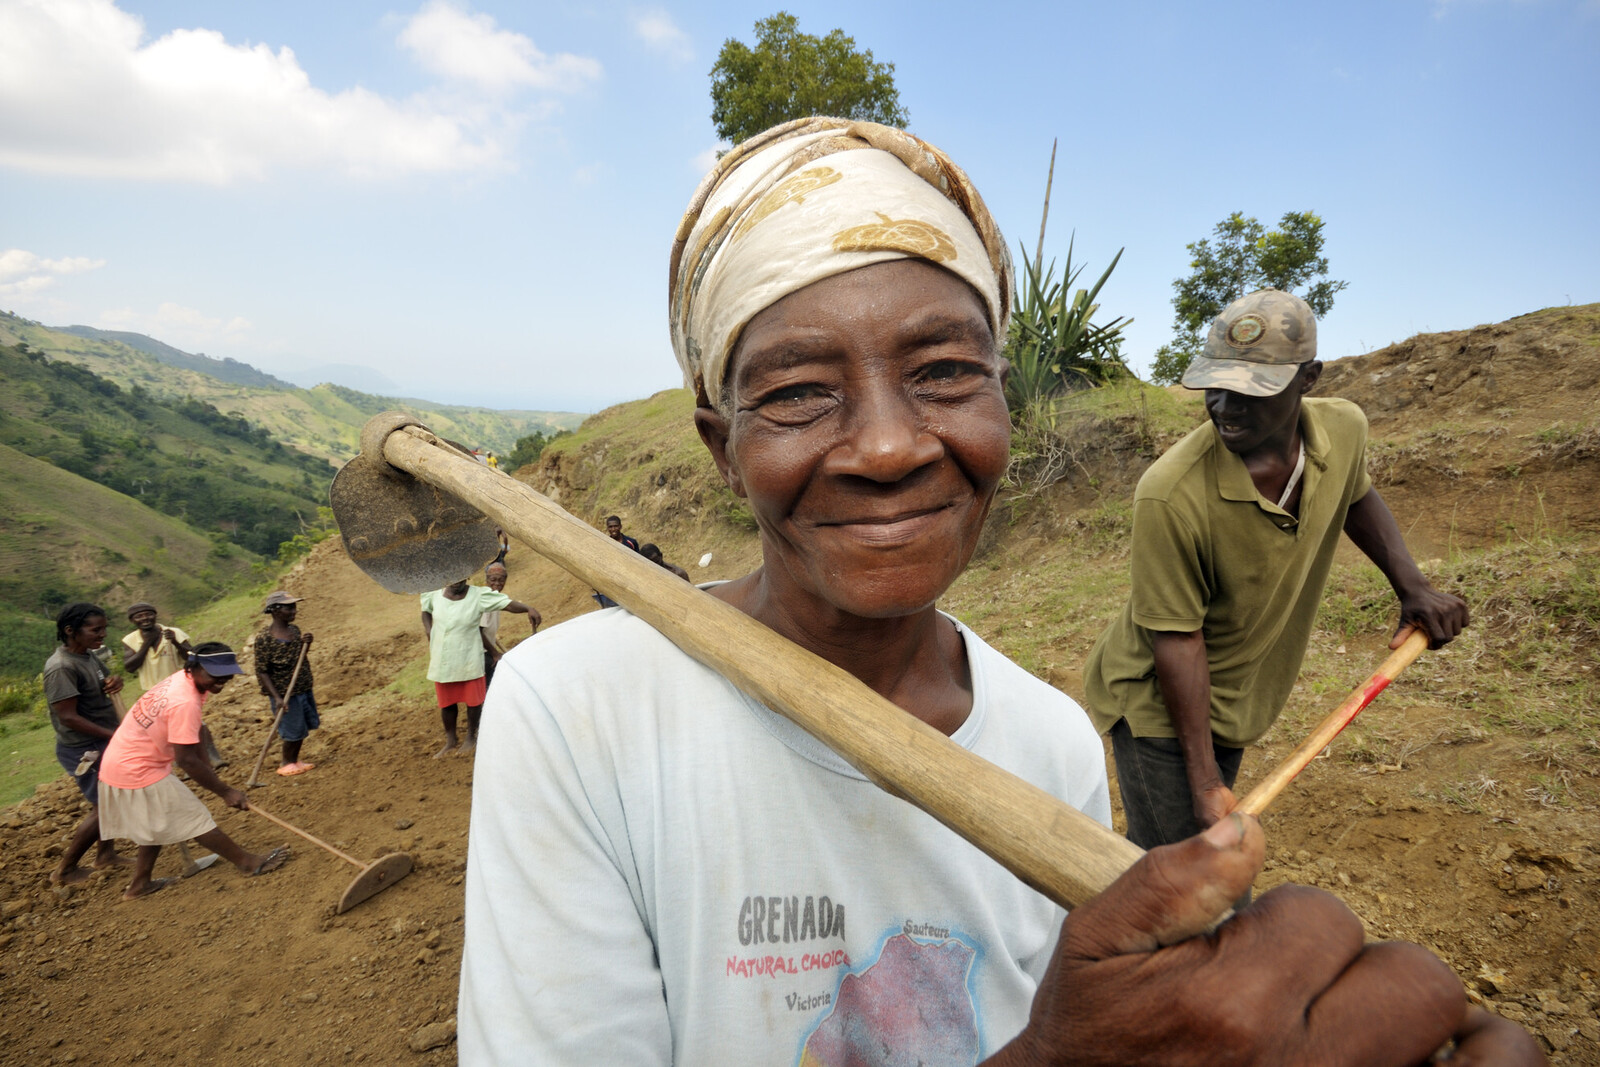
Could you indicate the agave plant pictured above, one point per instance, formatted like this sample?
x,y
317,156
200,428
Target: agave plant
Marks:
x,y
1054,345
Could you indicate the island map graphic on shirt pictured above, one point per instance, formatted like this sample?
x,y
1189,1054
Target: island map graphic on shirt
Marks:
x,y
910,1007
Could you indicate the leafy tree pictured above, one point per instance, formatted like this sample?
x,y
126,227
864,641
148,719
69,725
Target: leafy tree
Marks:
x,y
1246,257
529,449
789,75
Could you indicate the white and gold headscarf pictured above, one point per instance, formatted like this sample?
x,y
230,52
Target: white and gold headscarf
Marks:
x,y
805,201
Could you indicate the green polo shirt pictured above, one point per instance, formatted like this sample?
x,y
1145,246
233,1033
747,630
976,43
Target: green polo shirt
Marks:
x,y
1210,553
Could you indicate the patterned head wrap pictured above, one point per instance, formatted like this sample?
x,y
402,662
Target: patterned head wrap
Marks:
x,y
804,201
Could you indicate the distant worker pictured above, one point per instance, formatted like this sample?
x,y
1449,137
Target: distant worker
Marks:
x,y
153,652
142,800
494,463
494,575
614,531
1234,531
276,650
78,688
452,619
505,544
651,552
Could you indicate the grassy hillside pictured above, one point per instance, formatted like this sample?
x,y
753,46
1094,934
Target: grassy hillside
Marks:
x,y
65,538
324,421
182,458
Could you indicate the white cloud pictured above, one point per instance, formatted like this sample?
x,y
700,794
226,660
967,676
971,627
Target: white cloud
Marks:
x,y
23,274
703,162
183,327
82,92
657,30
458,44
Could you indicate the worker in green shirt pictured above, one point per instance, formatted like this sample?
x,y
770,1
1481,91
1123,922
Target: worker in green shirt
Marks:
x,y
1234,531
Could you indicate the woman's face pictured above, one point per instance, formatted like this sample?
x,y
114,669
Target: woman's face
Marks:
x,y
91,635
285,613
869,432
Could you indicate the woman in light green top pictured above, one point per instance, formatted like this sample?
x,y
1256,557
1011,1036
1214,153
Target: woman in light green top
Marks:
x,y
450,618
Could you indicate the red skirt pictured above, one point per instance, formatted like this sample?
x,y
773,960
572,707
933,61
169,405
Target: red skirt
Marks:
x,y
470,692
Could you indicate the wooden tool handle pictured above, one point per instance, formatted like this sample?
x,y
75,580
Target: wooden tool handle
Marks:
x,y
1054,848
1273,784
314,840
294,676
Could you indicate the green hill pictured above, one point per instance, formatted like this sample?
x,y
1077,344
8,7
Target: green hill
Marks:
x,y
323,421
65,538
183,458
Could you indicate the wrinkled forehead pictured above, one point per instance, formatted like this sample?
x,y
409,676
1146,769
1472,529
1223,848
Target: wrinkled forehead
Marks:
x,y
903,298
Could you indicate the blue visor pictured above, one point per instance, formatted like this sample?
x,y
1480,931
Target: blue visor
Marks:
x,y
219,663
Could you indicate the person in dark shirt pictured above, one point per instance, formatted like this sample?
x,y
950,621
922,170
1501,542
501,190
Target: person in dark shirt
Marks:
x,y
277,648
614,531
79,690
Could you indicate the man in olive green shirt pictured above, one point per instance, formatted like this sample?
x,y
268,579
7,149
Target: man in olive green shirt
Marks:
x,y
1234,531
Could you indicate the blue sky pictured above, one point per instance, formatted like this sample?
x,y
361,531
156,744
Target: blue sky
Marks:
x,y
474,201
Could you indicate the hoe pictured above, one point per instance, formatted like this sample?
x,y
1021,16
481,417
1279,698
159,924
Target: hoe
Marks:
x,y
417,512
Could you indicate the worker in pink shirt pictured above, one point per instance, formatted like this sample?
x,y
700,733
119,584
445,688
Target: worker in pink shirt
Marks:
x,y
142,800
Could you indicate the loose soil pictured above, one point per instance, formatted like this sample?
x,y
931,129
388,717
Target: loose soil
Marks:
x,y
1474,432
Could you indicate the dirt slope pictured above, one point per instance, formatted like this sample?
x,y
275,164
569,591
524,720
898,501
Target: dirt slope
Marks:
x,y
1434,819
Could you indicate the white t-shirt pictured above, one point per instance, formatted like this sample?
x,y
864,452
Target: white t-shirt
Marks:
x,y
662,871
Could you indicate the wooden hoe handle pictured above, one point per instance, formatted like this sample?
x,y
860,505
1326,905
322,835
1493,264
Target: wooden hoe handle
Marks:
x,y
1052,847
1264,794
314,840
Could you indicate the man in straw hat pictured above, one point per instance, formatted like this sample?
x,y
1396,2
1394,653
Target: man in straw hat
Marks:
x,y
664,871
141,799
153,652
1234,531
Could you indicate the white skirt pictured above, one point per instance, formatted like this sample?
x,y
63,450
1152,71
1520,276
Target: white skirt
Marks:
x,y
162,813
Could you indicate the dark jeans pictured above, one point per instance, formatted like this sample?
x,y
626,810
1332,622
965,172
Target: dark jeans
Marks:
x,y
1155,785
69,756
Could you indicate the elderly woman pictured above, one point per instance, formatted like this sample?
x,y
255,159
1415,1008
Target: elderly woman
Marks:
x,y
664,871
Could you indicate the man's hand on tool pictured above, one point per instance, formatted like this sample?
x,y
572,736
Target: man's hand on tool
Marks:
x,y
1212,802
1442,615
1288,980
236,798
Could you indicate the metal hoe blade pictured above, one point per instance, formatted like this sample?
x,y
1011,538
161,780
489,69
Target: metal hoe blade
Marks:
x,y
409,536
378,876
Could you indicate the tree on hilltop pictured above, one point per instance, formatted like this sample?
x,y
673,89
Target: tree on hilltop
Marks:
x,y
1246,257
789,75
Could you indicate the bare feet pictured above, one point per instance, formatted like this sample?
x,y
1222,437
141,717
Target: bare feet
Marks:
x,y
115,859
254,865
450,746
471,743
71,876
154,885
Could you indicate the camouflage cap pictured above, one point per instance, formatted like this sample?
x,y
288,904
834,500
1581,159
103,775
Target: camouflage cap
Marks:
x,y
1256,345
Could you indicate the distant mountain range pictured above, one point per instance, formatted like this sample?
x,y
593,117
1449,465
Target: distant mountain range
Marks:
x,y
324,420
225,370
